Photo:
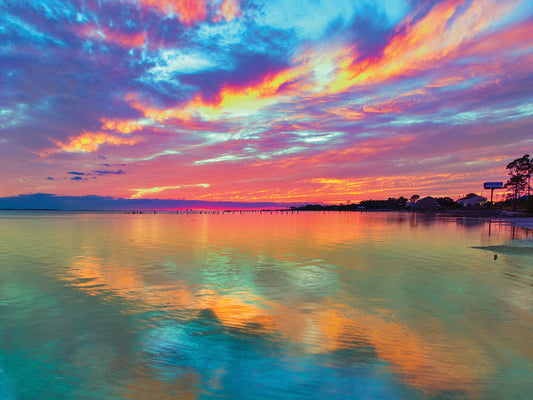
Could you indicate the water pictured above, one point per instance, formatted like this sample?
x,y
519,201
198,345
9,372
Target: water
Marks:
x,y
263,306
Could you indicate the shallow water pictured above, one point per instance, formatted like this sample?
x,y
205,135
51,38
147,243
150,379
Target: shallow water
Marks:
x,y
263,306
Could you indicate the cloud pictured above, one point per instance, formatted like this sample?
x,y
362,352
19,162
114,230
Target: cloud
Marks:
x,y
88,142
188,11
121,125
171,62
313,22
118,172
263,99
149,191
229,10
99,33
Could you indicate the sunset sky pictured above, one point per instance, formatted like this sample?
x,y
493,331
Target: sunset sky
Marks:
x,y
263,100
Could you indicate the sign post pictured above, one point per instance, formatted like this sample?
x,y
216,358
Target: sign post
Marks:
x,y
492,186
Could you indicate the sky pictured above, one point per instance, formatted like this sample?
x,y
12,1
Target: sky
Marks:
x,y
284,101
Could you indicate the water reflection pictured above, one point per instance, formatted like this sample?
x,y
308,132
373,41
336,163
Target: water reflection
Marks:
x,y
281,306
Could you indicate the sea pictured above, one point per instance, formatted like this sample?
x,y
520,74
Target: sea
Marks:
x,y
264,305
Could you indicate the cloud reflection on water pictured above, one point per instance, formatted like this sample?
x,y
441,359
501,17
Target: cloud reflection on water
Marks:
x,y
210,276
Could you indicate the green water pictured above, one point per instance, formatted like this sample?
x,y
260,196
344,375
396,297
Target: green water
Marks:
x,y
264,306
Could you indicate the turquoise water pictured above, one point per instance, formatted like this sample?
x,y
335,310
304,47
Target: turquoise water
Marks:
x,y
263,306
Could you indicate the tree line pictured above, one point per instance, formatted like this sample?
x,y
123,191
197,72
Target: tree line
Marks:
x,y
519,182
392,203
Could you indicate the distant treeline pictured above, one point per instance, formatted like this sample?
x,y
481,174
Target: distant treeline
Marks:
x,y
392,203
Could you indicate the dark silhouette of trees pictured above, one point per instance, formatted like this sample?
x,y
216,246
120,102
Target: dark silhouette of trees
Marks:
x,y
392,203
446,202
519,177
401,202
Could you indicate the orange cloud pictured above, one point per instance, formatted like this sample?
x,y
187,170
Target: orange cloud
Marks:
x,y
141,193
446,81
258,95
229,10
189,11
383,108
347,113
124,39
122,126
159,114
398,104
358,152
517,38
446,30
88,142
425,43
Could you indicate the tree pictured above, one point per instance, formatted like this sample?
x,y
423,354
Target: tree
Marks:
x,y
446,202
414,198
402,201
520,177
528,168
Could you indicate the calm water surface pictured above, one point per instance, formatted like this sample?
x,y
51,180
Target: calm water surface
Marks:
x,y
263,306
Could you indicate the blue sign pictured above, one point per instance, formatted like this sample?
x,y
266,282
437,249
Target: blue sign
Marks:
x,y
493,185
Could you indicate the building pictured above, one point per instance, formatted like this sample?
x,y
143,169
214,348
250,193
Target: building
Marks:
x,y
427,203
471,200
